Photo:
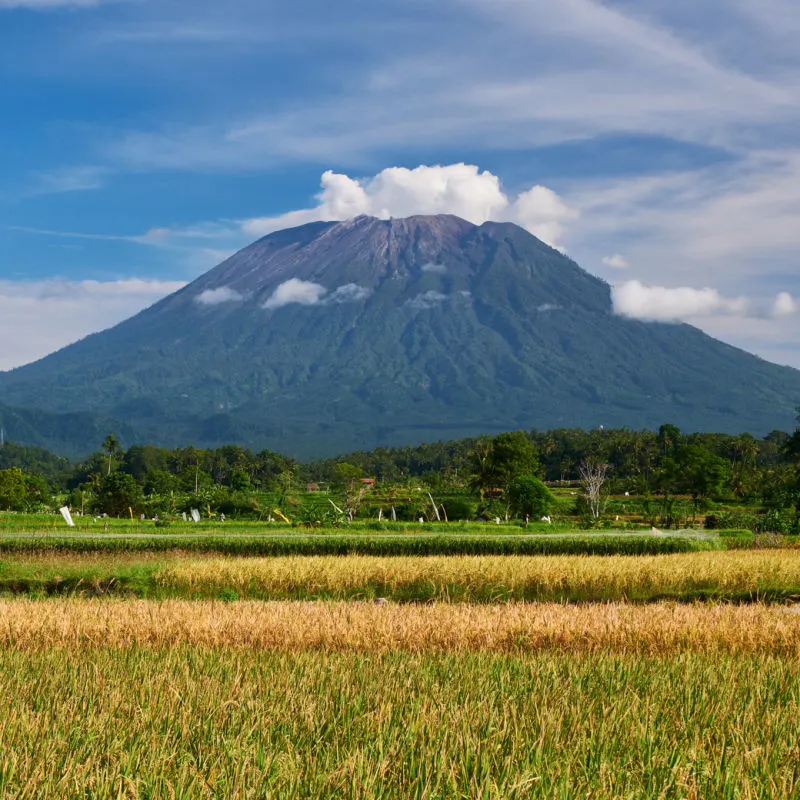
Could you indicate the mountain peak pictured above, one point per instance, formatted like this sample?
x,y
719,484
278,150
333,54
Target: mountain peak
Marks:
x,y
336,336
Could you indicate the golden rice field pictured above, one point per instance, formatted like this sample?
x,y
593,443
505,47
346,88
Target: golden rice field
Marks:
x,y
765,575
664,629
195,722
479,693
493,578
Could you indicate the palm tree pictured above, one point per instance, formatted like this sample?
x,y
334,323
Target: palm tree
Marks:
x,y
110,447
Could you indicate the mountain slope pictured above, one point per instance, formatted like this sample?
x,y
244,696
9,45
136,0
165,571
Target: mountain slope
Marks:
x,y
337,336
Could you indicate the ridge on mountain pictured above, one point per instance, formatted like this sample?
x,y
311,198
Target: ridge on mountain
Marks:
x,y
336,336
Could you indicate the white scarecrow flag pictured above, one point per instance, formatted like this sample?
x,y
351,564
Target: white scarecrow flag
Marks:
x,y
67,516
195,515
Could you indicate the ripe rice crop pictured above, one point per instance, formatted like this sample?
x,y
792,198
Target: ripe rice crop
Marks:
x,y
192,722
658,629
731,575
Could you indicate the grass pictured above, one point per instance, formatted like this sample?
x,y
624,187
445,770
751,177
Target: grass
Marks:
x,y
664,629
741,576
192,722
15,522
377,544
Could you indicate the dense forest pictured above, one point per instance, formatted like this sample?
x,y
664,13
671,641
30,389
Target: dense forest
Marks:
x,y
478,476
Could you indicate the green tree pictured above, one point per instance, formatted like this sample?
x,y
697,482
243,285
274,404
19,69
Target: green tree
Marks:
x,y
791,446
702,474
13,489
119,492
528,496
496,463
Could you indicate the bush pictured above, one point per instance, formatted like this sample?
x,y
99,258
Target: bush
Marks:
x,y
459,509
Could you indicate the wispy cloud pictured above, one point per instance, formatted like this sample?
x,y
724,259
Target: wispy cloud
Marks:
x,y
426,300
539,73
38,317
616,261
349,293
42,5
69,179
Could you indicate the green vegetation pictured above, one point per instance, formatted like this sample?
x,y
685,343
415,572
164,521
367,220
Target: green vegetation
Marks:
x,y
197,722
367,543
662,479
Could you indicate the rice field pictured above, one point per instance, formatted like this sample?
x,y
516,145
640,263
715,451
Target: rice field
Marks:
x,y
732,575
742,576
190,721
388,676
663,629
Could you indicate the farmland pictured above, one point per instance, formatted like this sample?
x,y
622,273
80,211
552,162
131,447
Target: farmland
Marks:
x,y
130,672
129,717
739,576
364,639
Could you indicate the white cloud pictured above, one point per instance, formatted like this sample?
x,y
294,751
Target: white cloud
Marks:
x,y
304,293
637,300
38,317
437,268
69,179
616,261
214,297
459,189
785,305
542,212
426,300
349,293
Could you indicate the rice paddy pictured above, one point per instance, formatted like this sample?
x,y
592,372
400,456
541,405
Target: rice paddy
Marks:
x,y
732,575
195,674
664,629
741,576
209,722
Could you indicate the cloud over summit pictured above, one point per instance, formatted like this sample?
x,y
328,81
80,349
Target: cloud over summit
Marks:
x,y
460,189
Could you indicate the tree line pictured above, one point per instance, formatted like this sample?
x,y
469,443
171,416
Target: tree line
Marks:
x,y
663,463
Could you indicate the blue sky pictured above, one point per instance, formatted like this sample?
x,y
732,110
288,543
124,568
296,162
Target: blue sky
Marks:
x,y
656,142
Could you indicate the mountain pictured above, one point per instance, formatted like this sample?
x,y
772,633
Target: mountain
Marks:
x,y
333,337
72,434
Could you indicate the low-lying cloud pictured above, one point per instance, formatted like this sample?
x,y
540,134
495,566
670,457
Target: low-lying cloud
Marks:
x,y
637,300
460,189
308,293
439,269
304,293
659,303
215,297
426,300
349,293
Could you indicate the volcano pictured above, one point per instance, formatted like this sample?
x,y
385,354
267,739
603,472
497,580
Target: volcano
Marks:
x,y
337,336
